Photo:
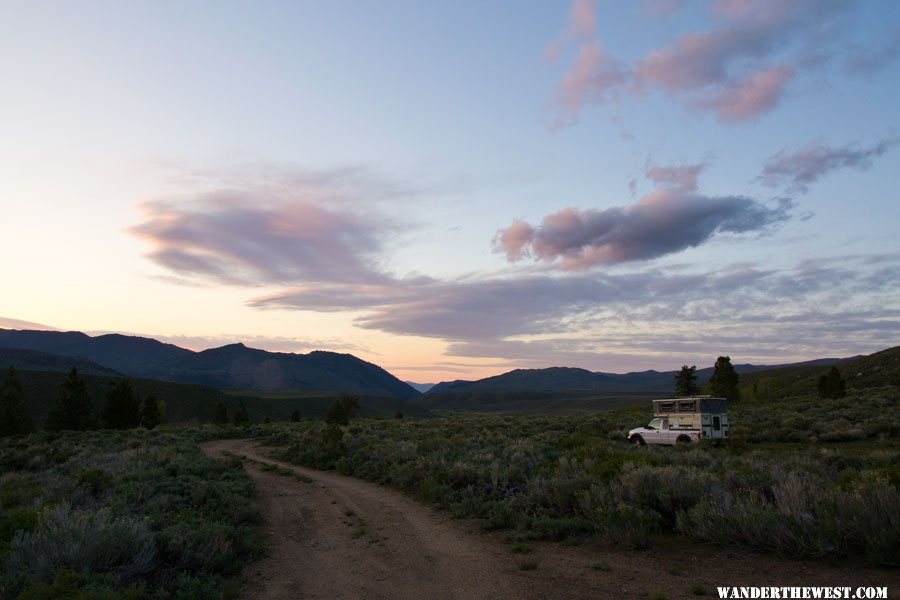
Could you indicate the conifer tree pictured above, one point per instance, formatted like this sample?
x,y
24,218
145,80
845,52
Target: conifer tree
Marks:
x,y
72,409
832,385
295,416
241,417
337,414
686,381
123,407
220,417
724,380
14,419
150,413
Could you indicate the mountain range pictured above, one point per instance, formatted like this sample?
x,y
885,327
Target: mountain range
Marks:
x,y
287,375
234,366
554,379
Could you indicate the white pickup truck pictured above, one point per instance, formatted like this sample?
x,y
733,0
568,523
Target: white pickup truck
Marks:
x,y
684,420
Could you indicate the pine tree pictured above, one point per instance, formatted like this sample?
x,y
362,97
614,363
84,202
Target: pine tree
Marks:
x,y
150,413
220,417
686,381
241,417
832,385
123,407
337,414
295,416
351,404
14,419
724,381
72,409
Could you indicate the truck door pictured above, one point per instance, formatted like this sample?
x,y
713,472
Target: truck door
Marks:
x,y
717,427
665,434
654,430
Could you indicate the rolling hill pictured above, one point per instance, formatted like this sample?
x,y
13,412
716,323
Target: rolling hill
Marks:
x,y
32,360
565,389
234,366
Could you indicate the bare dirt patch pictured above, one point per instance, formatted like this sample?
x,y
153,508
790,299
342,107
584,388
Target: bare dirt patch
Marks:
x,y
339,537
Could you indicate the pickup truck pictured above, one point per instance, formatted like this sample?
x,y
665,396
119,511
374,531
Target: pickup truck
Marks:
x,y
684,420
657,432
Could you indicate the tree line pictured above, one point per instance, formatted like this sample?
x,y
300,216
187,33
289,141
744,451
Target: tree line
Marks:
x,y
723,383
73,410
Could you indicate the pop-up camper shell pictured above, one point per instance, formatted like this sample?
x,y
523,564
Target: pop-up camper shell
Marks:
x,y
709,415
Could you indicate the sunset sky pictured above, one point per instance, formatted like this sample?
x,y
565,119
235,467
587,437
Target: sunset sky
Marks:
x,y
455,189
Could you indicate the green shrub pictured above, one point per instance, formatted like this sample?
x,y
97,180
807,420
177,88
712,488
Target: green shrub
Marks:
x,y
85,542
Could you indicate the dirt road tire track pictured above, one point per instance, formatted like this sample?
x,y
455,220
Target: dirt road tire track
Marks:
x,y
339,537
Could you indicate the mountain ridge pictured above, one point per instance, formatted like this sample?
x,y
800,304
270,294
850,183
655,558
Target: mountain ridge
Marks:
x,y
233,366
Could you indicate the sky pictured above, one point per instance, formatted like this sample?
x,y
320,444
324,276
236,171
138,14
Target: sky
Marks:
x,y
452,190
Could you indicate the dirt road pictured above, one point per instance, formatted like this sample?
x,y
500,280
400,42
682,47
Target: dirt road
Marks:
x,y
339,537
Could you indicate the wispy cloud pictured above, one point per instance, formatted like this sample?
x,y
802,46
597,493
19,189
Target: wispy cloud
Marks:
x,y
310,228
661,8
270,343
670,219
593,77
580,319
741,67
794,171
868,61
10,323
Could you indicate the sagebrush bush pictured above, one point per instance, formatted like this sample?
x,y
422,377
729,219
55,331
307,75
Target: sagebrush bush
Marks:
x,y
107,513
85,542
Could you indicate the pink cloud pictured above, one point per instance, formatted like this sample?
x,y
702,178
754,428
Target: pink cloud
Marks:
x,y
670,219
583,18
591,79
758,93
683,178
515,239
247,237
8,323
738,68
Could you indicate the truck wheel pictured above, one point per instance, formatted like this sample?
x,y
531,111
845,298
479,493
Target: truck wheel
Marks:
x,y
637,440
683,439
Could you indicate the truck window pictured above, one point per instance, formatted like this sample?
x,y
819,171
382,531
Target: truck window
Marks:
x,y
655,424
717,424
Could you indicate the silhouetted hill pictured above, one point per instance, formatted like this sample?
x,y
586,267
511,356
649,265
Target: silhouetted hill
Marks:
x,y
33,360
566,389
239,367
881,369
234,366
126,354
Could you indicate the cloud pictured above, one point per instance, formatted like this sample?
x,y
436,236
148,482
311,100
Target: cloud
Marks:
x,y
661,8
738,68
682,177
757,93
253,236
593,78
583,18
814,308
8,323
866,62
670,219
796,171
270,343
